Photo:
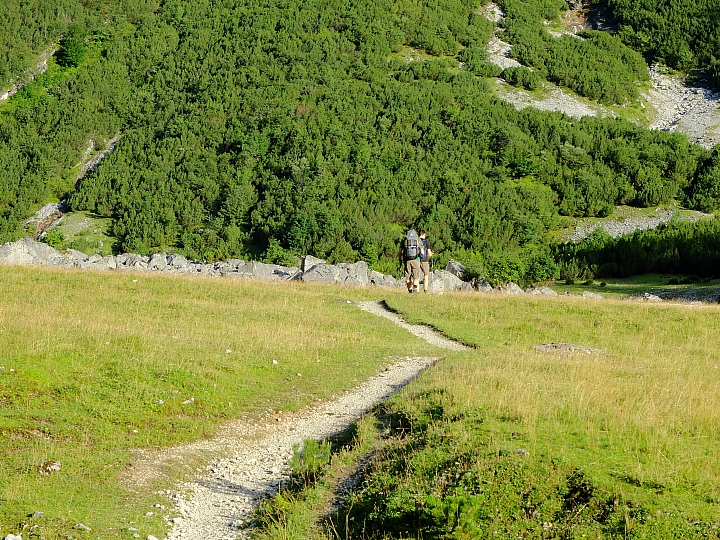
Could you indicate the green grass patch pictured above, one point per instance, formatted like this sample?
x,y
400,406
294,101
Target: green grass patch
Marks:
x,y
634,286
96,364
508,441
83,231
505,441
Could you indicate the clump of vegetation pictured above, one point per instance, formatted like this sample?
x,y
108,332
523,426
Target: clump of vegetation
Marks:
x,y
72,47
310,463
521,76
689,248
682,34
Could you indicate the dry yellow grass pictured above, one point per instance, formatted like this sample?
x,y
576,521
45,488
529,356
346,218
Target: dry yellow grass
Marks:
x,y
95,364
644,413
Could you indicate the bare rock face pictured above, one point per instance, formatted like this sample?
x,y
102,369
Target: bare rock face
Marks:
x,y
27,251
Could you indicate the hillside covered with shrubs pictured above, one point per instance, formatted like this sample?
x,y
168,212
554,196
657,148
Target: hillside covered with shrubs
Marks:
x,y
270,129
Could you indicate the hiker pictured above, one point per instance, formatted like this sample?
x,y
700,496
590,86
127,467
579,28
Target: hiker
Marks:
x,y
426,252
409,254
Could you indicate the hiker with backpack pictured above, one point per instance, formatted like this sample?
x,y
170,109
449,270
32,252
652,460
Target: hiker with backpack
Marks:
x,y
426,252
409,254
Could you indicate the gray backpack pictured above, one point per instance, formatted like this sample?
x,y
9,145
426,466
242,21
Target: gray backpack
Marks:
x,y
412,245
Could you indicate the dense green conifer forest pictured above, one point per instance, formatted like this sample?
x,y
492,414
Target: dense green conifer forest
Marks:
x,y
684,34
272,128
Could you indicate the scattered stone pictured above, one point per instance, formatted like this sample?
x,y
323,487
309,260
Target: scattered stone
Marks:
x,y
37,514
82,527
314,270
46,468
480,285
544,291
13,537
588,294
651,298
567,348
709,294
522,452
510,288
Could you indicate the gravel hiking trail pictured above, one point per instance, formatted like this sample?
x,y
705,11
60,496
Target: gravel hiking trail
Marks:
x,y
251,458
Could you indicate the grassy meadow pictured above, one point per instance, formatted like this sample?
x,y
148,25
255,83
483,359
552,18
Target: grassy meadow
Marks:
x,y
505,441
500,441
93,365
635,286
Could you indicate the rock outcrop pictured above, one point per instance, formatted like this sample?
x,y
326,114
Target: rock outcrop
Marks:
x,y
312,270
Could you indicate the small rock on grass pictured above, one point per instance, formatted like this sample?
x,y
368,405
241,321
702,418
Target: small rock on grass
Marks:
x,y
48,467
13,537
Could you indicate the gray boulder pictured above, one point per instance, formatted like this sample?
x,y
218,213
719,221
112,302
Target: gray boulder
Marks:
x,y
588,294
177,261
76,256
443,280
201,269
131,261
324,273
158,262
544,291
108,262
28,251
232,266
308,261
455,268
480,285
92,262
382,280
283,273
510,288
357,273
258,270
